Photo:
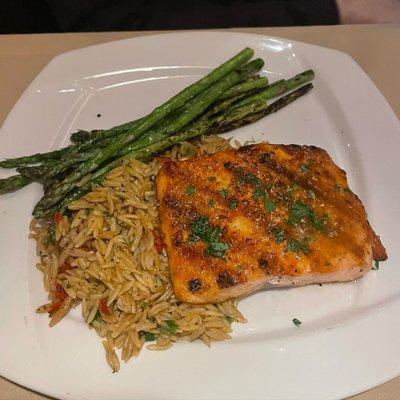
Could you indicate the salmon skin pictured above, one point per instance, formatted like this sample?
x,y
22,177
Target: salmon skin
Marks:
x,y
260,216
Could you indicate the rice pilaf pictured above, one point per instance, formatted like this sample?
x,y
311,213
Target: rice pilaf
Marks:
x,y
106,255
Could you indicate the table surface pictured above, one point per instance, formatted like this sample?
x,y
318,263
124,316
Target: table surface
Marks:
x,y
375,47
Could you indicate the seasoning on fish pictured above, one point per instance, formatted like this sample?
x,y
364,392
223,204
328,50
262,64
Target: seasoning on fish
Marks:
x,y
262,215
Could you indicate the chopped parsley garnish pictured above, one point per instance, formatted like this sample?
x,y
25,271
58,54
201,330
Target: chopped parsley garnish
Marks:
x,y
203,230
306,167
299,246
376,265
169,328
149,337
311,194
269,204
233,204
294,185
262,192
320,224
297,322
51,234
241,178
143,304
300,211
287,197
224,193
252,179
244,176
211,178
229,318
190,190
279,235
337,188
257,193
211,203
217,249
97,318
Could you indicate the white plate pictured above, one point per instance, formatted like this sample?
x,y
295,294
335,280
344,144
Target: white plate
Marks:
x,y
350,337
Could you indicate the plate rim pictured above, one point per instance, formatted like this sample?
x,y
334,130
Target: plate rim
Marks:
x,y
169,34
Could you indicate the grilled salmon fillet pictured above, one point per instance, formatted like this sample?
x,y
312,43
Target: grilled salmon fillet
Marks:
x,y
262,215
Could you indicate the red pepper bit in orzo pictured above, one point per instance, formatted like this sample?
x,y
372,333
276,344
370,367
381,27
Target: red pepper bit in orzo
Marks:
x,y
158,243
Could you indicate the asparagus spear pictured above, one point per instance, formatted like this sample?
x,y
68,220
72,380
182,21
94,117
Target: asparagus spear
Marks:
x,y
271,91
13,183
191,110
145,123
279,88
272,108
246,86
53,168
32,159
49,156
220,124
82,135
223,105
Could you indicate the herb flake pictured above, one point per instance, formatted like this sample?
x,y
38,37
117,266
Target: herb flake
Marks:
x,y
51,234
169,328
97,318
143,304
299,246
149,337
311,194
257,192
233,204
301,211
190,190
296,322
203,230
320,223
253,180
336,187
269,205
217,249
279,235
294,185
307,166
224,193
376,265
